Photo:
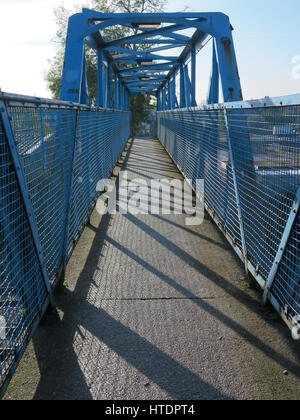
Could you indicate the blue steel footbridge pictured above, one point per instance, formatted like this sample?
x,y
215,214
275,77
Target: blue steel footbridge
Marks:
x,y
54,152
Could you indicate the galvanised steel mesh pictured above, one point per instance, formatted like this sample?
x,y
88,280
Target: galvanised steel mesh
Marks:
x,y
249,159
22,290
198,143
287,285
44,138
64,151
100,138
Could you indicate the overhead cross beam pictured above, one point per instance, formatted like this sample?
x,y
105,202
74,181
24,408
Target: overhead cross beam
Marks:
x,y
123,71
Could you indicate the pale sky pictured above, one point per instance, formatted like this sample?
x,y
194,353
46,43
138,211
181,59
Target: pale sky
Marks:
x,y
266,38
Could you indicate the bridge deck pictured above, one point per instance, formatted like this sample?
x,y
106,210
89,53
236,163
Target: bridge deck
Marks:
x,y
153,309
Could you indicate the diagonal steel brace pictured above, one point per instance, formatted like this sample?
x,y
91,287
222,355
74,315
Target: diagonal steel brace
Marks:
x,y
283,245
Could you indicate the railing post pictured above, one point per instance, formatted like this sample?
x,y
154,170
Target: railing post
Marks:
x,y
25,195
69,195
237,192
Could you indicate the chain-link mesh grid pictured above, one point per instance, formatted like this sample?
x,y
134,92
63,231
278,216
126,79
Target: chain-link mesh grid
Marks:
x,y
265,155
266,144
22,291
64,153
44,138
198,143
100,139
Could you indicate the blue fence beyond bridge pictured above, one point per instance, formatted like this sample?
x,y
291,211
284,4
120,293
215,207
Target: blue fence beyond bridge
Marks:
x,y
52,156
248,153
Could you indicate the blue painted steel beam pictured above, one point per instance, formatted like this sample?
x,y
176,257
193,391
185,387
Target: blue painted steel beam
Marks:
x,y
142,82
104,85
100,96
109,85
180,20
158,101
145,57
142,37
73,63
193,76
84,96
116,93
216,25
143,17
226,56
145,41
157,67
173,92
197,39
136,77
187,87
169,95
178,37
213,94
182,88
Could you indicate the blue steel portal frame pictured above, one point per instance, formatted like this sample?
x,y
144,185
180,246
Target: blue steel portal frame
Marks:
x,y
124,70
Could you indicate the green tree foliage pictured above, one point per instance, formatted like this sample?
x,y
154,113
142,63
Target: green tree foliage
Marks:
x,y
140,104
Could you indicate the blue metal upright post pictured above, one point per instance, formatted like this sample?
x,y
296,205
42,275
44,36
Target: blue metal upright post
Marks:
x,y
169,95
229,73
84,96
164,98
116,89
187,87
193,76
109,85
73,64
158,101
182,88
100,96
213,94
104,90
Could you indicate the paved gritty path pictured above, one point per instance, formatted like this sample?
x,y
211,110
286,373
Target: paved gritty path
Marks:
x,y
152,309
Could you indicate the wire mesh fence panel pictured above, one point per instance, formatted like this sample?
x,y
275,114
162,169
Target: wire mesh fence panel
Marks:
x,y
266,144
198,143
44,138
64,151
22,291
259,148
100,139
286,287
